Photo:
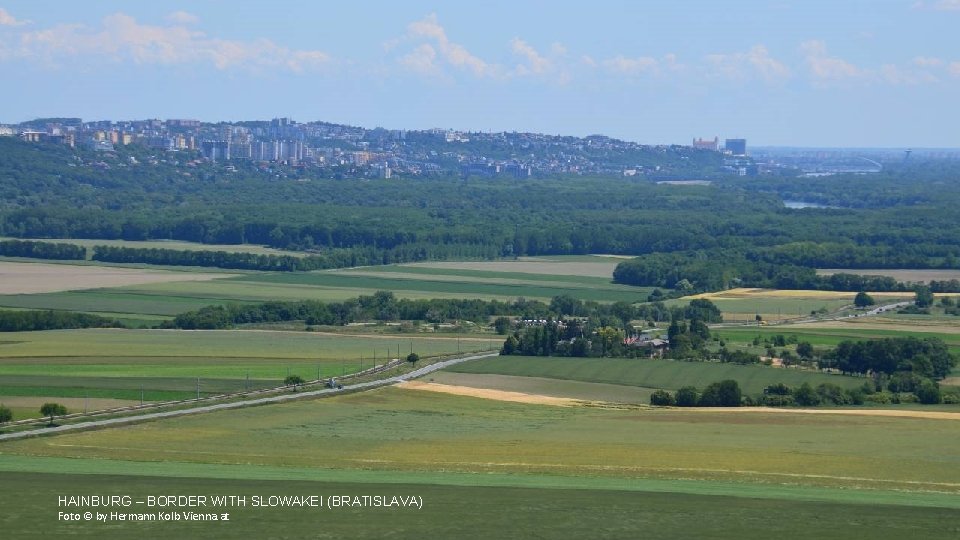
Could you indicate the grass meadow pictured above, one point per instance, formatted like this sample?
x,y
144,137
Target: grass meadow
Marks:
x,y
485,466
458,511
647,373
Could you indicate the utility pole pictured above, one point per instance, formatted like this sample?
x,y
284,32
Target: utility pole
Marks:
x,y
198,387
141,395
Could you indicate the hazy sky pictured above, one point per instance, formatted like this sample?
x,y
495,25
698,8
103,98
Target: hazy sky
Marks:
x,y
802,73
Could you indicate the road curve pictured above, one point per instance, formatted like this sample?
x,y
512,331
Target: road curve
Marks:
x,y
238,404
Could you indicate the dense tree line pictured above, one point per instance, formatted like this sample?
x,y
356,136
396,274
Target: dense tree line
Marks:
x,y
42,250
724,393
25,321
699,271
384,306
335,258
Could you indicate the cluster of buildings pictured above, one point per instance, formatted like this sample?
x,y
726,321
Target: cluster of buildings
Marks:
x,y
351,151
731,147
735,159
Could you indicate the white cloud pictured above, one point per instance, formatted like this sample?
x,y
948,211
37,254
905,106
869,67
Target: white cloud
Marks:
x,y
536,63
422,60
925,61
954,69
826,68
896,75
182,17
755,62
631,66
6,19
452,53
122,39
939,5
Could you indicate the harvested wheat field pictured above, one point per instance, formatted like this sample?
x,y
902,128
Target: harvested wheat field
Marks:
x,y
30,278
486,393
789,293
882,323
899,275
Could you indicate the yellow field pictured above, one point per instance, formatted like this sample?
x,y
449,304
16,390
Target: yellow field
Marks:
x,y
531,266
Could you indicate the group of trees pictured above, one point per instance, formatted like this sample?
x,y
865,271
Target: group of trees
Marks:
x,y
25,321
926,357
573,335
724,393
781,395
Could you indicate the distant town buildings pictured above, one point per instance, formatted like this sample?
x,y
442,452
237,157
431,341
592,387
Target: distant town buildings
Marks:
x,y
355,152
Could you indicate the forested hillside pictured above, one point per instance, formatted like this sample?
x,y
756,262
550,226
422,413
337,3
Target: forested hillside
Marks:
x,y
903,217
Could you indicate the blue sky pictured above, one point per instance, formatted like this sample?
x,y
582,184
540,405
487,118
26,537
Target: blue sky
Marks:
x,y
790,73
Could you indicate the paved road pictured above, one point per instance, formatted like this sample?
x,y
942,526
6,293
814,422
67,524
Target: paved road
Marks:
x,y
237,404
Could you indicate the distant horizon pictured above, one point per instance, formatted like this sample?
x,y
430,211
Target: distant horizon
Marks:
x,y
857,73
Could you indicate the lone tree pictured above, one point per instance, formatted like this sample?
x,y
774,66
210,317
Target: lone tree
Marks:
x,y
6,414
662,398
862,300
413,358
924,297
805,350
294,381
53,409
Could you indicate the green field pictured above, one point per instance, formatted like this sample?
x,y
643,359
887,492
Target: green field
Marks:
x,y
667,374
478,463
466,287
416,431
167,363
830,337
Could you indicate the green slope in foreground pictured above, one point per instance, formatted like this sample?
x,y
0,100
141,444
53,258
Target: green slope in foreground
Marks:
x,y
30,502
493,469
